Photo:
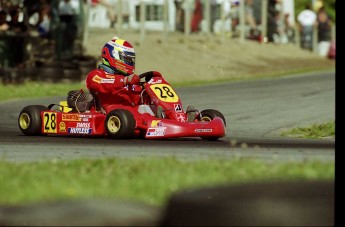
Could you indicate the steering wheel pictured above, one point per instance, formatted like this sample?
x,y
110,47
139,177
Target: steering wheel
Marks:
x,y
147,75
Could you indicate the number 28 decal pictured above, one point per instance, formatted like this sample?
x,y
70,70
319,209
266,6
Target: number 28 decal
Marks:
x,y
164,92
49,121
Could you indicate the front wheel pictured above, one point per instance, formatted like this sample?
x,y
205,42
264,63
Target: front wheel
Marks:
x,y
209,115
119,124
29,120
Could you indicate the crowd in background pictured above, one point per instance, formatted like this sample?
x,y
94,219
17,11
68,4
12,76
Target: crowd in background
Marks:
x,y
310,18
11,22
280,23
20,18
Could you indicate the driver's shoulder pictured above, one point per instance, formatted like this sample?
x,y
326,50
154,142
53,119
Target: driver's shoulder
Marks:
x,y
96,72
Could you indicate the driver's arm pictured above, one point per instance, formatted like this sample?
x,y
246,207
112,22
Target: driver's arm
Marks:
x,y
99,81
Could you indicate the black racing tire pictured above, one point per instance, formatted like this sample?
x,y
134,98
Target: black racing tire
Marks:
x,y
119,124
50,74
71,74
29,120
209,115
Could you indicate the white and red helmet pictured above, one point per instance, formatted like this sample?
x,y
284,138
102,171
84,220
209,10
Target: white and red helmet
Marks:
x,y
119,55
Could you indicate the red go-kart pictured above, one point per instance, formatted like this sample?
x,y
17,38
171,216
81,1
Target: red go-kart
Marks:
x,y
160,115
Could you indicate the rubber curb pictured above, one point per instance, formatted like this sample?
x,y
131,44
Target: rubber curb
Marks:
x,y
256,204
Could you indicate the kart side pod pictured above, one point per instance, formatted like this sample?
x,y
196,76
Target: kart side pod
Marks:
x,y
165,128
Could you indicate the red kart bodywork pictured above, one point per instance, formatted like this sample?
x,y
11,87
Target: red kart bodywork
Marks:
x,y
92,124
155,92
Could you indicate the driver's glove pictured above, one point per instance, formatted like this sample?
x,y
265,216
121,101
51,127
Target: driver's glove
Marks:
x,y
148,75
132,79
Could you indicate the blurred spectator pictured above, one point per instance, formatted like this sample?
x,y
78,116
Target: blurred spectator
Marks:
x,y
18,41
324,29
110,6
3,41
213,14
197,16
289,29
15,24
179,15
306,19
254,33
283,27
272,21
235,17
68,25
188,8
3,22
44,19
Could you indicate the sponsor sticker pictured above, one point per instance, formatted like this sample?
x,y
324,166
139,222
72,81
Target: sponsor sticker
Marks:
x,y
79,130
156,123
156,131
153,81
70,117
83,125
97,79
180,117
177,108
203,130
107,81
62,127
85,115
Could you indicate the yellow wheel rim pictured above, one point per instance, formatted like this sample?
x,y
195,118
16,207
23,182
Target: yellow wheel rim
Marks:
x,y
24,121
206,119
114,124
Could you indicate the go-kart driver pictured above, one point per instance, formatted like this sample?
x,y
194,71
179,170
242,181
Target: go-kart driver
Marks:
x,y
115,81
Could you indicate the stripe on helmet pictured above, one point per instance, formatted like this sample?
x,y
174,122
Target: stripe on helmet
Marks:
x,y
121,45
120,41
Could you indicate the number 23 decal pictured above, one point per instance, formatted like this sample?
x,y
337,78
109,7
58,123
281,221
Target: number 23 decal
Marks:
x,y
164,92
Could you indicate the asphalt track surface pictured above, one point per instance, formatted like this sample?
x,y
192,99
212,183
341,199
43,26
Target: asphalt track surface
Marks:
x,y
255,111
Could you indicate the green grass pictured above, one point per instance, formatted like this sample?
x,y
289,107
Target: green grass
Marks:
x,y
36,89
316,131
147,180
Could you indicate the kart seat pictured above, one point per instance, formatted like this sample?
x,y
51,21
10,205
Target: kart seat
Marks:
x,y
98,104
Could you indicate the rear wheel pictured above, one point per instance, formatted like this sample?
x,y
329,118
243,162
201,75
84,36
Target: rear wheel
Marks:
x,y
29,120
120,124
209,115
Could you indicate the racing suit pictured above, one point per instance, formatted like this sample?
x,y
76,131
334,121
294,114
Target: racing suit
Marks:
x,y
113,88
116,88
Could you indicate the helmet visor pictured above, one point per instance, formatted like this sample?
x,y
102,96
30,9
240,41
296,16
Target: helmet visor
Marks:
x,y
128,58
